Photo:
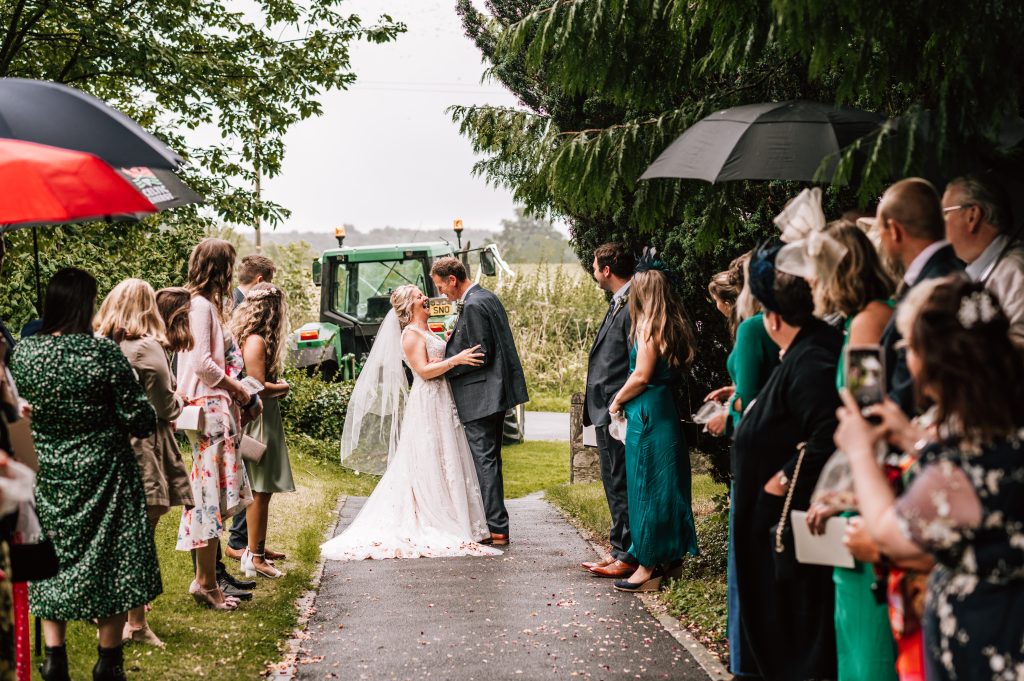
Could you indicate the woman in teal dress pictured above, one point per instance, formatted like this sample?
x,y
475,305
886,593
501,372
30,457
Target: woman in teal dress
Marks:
x,y
858,288
86,404
657,457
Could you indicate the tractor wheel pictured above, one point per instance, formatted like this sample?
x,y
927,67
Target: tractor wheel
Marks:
x,y
514,428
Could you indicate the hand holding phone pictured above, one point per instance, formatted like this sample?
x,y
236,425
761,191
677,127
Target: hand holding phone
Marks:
x,y
865,376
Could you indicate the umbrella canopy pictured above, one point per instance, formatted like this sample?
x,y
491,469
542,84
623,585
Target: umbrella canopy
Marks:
x,y
771,141
162,187
47,185
55,114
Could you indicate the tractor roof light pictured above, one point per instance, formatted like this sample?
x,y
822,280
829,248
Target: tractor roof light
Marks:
x,y
311,334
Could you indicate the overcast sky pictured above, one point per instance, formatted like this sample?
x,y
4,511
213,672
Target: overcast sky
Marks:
x,y
384,153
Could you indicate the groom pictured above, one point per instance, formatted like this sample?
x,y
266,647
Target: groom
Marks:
x,y
482,393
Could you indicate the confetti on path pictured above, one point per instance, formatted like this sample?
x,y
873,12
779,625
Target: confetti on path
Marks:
x,y
531,613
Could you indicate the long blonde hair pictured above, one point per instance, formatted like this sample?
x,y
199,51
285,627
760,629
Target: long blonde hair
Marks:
x,y
263,313
660,316
130,308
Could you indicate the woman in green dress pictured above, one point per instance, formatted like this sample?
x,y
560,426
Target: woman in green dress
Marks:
x,y
258,326
657,457
858,288
86,405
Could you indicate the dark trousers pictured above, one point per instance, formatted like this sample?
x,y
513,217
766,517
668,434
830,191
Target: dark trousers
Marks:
x,y
613,475
239,535
484,437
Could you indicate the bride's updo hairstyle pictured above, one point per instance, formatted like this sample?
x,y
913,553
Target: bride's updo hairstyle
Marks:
x,y
402,300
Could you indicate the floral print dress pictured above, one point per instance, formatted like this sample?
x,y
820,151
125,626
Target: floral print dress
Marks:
x,y
86,404
220,487
967,509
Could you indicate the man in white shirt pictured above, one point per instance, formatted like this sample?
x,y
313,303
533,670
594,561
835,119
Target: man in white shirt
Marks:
x,y
979,226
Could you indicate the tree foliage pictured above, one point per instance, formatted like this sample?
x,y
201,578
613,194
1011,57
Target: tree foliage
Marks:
x,y
249,73
606,85
528,239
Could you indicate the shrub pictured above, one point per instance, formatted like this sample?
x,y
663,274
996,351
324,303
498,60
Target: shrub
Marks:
x,y
314,407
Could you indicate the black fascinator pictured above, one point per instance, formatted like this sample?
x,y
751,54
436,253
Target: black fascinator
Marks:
x,y
649,260
761,276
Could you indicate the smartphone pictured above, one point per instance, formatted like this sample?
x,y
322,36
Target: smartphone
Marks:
x,y
865,374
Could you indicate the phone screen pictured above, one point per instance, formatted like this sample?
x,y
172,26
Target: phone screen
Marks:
x,y
865,374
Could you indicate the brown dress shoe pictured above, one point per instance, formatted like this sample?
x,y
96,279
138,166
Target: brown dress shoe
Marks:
x,y
233,553
604,562
618,569
498,539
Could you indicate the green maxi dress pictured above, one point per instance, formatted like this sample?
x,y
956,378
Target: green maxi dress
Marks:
x,y
865,648
89,495
657,473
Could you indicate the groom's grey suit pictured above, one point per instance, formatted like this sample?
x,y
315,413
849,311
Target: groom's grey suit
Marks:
x,y
484,393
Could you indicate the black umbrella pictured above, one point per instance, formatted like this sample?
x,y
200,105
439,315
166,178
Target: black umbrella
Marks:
x,y
771,141
60,116
162,187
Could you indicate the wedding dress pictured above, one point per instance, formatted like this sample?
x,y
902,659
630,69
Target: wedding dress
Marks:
x,y
428,502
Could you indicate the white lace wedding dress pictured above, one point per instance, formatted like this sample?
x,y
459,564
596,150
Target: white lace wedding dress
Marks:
x,y
428,502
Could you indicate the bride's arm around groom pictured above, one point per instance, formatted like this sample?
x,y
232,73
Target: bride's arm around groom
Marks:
x,y
482,393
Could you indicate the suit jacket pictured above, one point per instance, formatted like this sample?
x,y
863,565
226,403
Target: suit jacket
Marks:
x,y
901,386
608,365
499,383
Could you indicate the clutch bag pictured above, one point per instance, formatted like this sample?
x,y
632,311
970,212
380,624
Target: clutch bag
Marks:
x,y
251,449
191,417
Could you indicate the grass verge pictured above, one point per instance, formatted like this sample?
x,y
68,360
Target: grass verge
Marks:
x,y
239,645
698,600
549,402
534,466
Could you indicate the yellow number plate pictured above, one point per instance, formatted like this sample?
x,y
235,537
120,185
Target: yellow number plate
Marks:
x,y
441,307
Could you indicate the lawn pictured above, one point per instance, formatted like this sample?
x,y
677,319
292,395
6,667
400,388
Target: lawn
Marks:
x,y
239,645
698,599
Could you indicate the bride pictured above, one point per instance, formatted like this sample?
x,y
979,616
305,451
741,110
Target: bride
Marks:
x,y
428,503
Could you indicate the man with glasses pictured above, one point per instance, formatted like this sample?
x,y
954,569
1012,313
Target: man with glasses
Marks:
x,y
979,227
912,233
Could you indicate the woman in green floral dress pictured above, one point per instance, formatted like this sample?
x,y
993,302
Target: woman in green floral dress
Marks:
x,y
86,404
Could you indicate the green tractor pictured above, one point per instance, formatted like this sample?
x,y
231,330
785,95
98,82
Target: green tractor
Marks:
x,y
355,294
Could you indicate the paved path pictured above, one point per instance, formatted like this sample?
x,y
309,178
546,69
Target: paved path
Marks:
x,y
547,425
529,614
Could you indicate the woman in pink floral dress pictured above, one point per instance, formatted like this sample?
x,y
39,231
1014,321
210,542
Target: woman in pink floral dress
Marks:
x,y
207,377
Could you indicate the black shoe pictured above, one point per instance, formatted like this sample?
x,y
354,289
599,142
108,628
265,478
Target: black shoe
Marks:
x,y
55,664
225,577
110,665
230,590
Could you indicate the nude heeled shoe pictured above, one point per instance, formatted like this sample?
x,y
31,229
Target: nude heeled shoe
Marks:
x,y
207,597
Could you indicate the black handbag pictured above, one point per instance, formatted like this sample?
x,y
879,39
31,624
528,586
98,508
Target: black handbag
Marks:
x,y
781,534
33,558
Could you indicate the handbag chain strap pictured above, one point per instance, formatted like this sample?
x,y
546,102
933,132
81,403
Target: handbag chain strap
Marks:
x,y
781,527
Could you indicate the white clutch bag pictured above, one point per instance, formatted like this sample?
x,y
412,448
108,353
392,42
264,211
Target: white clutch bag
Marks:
x,y
251,449
191,417
617,428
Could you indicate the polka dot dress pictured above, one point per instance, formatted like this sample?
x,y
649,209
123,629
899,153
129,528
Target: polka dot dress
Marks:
x,y
89,495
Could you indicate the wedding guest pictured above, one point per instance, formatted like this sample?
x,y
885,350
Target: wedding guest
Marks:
x,y
657,457
858,289
980,229
964,507
130,316
207,377
253,269
753,357
912,236
259,326
86,404
607,370
781,445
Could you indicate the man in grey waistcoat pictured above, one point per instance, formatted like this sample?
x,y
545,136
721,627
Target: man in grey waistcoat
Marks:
x,y
607,371
482,393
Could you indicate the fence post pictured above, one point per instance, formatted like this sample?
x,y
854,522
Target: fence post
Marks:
x,y
584,462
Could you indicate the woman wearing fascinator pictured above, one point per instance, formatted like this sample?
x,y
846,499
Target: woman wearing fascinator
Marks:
x,y
781,444
657,457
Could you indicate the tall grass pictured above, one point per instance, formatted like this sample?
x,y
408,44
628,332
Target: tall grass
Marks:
x,y
554,312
